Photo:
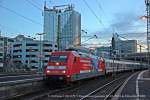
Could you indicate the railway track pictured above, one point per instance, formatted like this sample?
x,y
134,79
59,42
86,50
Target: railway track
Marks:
x,y
51,93
64,93
83,91
100,89
106,91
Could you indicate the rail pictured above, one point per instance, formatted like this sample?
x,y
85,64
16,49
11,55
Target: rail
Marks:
x,y
121,79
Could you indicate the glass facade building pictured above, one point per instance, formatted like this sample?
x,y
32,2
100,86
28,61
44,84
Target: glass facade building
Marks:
x,y
50,25
62,26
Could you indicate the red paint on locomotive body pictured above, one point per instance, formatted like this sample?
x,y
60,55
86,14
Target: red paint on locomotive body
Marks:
x,y
102,64
71,66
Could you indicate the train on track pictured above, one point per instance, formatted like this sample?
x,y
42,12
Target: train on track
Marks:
x,y
74,65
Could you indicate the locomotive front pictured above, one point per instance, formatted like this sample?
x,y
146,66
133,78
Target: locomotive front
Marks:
x,y
57,70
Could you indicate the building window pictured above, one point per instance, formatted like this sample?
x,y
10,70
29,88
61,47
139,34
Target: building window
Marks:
x,y
30,55
47,50
47,45
1,60
10,40
17,61
17,45
31,44
17,56
45,61
33,61
31,50
26,61
47,55
1,44
1,39
17,50
1,54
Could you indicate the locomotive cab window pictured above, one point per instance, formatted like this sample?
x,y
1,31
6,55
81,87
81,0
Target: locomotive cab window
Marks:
x,y
58,58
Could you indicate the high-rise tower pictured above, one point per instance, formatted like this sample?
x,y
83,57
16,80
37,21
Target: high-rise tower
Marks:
x,y
62,25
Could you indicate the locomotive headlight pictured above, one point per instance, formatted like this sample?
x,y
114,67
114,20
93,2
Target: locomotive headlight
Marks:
x,y
48,71
64,71
68,75
57,63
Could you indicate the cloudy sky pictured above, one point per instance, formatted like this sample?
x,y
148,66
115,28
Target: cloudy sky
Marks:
x,y
100,17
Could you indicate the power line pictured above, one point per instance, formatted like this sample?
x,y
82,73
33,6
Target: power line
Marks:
x,y
100,7
20,15
93,13
34,5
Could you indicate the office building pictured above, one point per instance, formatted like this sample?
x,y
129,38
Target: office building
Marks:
x,y
62,25
127,46
124,46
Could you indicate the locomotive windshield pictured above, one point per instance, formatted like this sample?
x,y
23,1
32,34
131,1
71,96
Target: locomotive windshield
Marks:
x,y
58,58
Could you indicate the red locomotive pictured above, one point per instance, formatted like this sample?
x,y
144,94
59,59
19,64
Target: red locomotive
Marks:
x,y
69,66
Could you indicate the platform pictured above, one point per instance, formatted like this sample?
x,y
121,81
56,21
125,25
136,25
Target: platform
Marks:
x,y
136,87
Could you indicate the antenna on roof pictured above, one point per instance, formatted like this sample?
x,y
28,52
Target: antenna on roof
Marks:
x,y
45,5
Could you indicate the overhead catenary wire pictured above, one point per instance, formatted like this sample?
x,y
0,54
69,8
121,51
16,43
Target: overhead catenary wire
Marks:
x,y
34,5
20,15
99,20
104,13
100,7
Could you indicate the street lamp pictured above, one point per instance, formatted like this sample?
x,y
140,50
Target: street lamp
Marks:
x,y
143,18
41,51
148,38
